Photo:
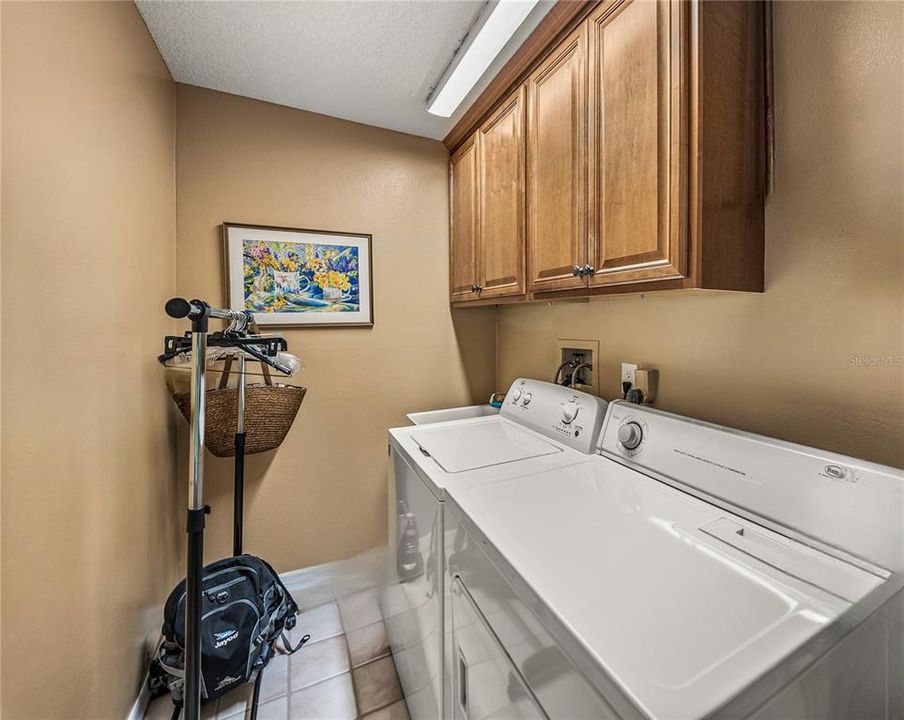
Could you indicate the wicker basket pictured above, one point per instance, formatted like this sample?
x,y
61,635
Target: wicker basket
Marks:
x,y
270,411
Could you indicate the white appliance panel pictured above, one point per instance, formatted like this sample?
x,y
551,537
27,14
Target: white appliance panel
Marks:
x,y
413,606
428,417
843,502
485,683
561,690
458,448
572,417
556,427
680,619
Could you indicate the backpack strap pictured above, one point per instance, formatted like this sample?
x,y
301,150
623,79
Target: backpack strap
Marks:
x,y
293,606
287,645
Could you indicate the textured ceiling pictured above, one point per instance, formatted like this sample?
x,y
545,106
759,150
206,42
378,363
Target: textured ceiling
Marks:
x,y
371,62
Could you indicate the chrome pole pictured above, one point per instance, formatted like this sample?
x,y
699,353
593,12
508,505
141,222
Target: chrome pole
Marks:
x,y
196,447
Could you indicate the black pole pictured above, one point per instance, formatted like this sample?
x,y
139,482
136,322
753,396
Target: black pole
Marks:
x,y
238,492
256,695
194,575
238,495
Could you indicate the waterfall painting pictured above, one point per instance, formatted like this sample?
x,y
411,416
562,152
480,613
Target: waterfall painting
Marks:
x,y
296,277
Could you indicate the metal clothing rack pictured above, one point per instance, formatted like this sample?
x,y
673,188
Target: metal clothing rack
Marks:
x,y
263,349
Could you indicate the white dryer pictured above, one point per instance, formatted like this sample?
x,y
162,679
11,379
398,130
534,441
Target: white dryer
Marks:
x,y
690,571
541,426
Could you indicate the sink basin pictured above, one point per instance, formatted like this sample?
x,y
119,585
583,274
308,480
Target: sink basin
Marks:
x,y
459,413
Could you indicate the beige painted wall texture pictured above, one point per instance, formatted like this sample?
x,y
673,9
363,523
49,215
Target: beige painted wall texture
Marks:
x,y
819,358
322,495
90,521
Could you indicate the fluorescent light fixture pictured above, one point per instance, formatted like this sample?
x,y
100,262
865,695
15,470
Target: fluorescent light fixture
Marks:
x,y
498,29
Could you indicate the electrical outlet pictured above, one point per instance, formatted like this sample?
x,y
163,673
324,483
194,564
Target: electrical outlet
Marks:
x,y
629,373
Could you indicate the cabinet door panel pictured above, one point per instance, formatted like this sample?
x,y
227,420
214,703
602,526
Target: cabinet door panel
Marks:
x,y
500,148
463,267
637,141
556,159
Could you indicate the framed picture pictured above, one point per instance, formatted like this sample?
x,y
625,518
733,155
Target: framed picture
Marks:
x,y
288,276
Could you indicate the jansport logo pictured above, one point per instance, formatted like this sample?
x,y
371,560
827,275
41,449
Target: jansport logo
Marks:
x,y
225,637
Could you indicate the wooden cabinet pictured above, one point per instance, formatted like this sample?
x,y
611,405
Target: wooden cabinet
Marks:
x,y
500,151
633,147
486,219
557,167
463,262
637,158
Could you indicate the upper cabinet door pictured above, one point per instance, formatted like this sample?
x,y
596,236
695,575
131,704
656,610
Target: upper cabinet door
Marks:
x,y
637,160
557,166
463,265
500,148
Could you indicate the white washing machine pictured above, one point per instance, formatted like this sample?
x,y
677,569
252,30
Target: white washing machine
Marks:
x,y
689,571
540,427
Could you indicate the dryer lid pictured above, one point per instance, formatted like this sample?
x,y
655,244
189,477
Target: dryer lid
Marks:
x,y
480,444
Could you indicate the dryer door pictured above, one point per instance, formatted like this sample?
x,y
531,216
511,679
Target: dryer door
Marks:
x,y
486,685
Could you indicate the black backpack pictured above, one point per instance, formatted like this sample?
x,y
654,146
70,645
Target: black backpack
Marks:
x,y
245,609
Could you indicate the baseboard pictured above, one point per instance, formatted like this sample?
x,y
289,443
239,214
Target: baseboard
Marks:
x,y
140,706
318,584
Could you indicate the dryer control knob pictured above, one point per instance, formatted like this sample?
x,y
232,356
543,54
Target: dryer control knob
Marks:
x,y
570,411
526,399
516,394
629,435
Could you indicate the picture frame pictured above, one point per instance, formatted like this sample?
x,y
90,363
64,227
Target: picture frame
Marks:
x,y
296,277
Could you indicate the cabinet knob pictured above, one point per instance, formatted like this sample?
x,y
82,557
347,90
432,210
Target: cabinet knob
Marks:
x,y
576,271
588,270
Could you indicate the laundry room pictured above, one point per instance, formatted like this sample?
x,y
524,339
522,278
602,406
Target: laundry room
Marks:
x,y
452,359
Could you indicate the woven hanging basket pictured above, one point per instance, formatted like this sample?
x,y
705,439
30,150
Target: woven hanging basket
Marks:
x,y
270,411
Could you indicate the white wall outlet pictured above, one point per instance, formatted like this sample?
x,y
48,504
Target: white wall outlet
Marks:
x,y
628,373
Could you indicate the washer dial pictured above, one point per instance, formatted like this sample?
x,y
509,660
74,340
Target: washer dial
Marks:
x,y
630,435
570,410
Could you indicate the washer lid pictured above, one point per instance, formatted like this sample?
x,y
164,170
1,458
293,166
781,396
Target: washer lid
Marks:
x,y
659,588
481,444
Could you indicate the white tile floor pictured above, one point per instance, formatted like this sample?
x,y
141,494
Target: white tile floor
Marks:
x,y
344,672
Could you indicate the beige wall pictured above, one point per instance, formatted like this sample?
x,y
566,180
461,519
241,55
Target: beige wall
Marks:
x,y
90,508
781,363
90,522
322,495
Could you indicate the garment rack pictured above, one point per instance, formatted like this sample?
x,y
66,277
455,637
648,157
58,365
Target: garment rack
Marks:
x,y
265,350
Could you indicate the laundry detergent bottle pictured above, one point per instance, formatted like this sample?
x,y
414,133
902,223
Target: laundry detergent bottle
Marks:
x,y
409,563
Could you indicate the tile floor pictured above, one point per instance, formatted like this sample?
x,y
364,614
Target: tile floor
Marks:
x,y
344,672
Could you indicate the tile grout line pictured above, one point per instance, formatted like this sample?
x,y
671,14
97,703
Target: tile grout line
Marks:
x,y
352,667
351,670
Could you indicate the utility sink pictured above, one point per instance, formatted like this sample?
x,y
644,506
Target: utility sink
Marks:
x,y
460,413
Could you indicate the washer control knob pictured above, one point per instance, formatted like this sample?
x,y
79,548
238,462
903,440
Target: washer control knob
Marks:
x,y
516,394
570,411
526,399
629,435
